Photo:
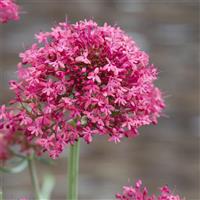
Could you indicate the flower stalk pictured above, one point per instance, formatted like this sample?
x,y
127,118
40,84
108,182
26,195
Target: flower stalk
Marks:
x,y
73,170
1,195
34,178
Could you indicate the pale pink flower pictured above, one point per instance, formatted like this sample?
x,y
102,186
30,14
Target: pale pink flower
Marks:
x,y
25,120
87,135
94,76
83,58
35,130
2,112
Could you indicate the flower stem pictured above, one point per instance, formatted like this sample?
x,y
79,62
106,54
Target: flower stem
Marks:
x,y
1,195
33,174
73,168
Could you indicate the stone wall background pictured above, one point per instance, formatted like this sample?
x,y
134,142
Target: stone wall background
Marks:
x,y
167,153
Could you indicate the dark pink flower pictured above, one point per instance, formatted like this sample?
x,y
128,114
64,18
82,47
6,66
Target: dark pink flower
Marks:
x,y
83,80
9,10
138,192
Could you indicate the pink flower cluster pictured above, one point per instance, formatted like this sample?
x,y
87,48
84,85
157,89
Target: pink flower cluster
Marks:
x,y
141,193
81,80
9,10
11,133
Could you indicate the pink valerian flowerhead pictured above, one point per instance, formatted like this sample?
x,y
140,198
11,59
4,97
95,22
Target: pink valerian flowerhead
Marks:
x,y
81,80
9,10
12,123
138,192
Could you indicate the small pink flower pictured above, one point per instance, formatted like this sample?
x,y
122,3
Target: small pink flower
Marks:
x,y
48,90
35,128
87,135
110,67
141,193
83,58
49,109
94,76
25,120
2,112
9,10
115,139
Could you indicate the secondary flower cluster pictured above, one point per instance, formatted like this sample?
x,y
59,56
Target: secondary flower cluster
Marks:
x,y
9,10
80,80
141,193
11,133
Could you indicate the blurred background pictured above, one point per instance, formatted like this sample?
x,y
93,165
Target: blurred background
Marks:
x,y
167,153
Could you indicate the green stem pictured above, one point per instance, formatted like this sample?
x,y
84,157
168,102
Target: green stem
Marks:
x,y
1,195
73,168
33,174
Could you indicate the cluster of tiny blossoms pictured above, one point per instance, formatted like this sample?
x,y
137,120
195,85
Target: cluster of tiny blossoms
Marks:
x,y
81,80
9,10
12,138
141,193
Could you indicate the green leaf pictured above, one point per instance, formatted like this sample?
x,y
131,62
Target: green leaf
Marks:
x,y
17,169
115,112
47,187
45,160
17,154
72,122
